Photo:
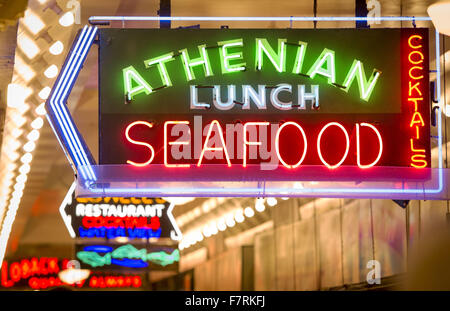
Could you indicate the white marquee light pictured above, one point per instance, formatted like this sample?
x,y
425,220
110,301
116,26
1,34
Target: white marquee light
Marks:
x,y
27,46
23,70
56,48
239,216
17,94
249,212
18,120
37,123
221,225
214,229
272,201
16,132
51,71
29,146
67,19
11,167
24,169
45,92
33,22
21,178
40,110
33,135
26,158
259,205
12,155
19,186
229,220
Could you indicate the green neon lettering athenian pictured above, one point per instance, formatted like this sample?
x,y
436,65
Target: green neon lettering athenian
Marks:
x,y
299,57
226,56
277,59
203,60
327,56
130,77
365,87
161,61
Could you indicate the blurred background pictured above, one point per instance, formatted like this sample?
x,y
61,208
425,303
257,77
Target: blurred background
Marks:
x,y
228,243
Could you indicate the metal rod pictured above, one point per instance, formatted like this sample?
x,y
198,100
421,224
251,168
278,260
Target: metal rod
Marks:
x,y
256,18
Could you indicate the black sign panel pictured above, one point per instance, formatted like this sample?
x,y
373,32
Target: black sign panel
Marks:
x,y
168,96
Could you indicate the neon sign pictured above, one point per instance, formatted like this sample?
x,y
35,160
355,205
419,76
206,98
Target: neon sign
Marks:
x,y
417,88
128,256
293,104
113,217
42,273
14,272
386,112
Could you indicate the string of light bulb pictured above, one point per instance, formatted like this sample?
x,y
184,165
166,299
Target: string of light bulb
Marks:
x,y
24,122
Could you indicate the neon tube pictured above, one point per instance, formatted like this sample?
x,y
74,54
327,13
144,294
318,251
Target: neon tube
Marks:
x,y
257,18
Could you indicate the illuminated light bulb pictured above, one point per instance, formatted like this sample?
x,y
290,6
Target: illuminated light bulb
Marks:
x,y
7,180
32,22
221,225
45,92
206,231
18,120
230,221
11,167
24,169
56,48
17,194
285,198
13,145
249,212
40,110
37,123
73,275
9,176
23,70
19,186
272,201
29,146
16,132
214,229
12,155
20,183
23,108
51,71
27,46
67,19
259,205
239,216
26,158
14,202
17,94
33,135
199,237
21,178
122,239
